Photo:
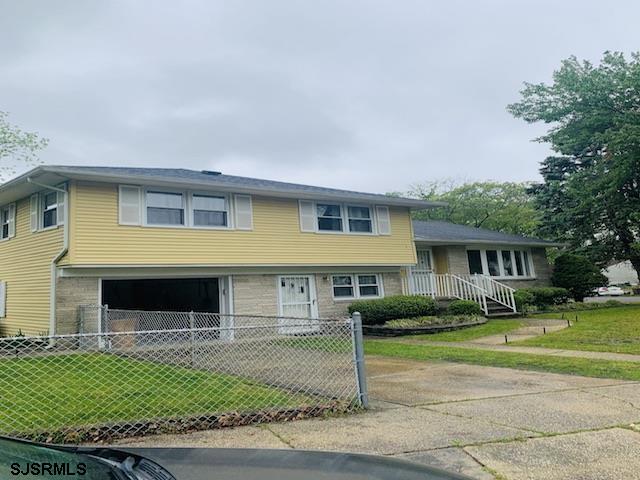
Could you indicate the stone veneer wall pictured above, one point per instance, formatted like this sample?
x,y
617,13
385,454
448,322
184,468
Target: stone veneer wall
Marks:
x,y
70,294
258,294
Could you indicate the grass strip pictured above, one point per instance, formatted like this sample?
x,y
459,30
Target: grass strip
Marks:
x,y
522,361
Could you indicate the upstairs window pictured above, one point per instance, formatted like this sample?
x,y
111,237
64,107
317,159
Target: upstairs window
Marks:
x,y
359,219
49,209
329,217
7,222
210,211
165,208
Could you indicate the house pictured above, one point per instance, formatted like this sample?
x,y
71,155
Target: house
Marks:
x,y
458,261
183,240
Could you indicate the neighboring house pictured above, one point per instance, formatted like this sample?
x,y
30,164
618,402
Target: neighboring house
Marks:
x,y
460,261
621,273
175,239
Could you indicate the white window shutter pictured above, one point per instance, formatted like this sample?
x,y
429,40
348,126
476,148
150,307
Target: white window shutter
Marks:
x,y
307,216
60,210
3,299
12,220
243,212
34,208
384,221
129,205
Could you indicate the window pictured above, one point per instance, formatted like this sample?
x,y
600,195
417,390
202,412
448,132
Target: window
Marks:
x,y
507,266
525,261
49,209
356,286
519,269
7,222
359,219
343,286
210,211
165,208
492,263
368,286
500,263
329,217
475,261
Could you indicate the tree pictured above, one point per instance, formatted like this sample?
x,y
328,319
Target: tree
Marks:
x,y
17,146
590,197
577,274
502,206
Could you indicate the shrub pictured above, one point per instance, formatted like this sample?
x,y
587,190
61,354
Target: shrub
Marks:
x,y
577,274
464,307
523,299
545,296
379,310
432,321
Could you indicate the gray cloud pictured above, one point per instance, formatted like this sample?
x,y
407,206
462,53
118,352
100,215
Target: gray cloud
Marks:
x,y
373,95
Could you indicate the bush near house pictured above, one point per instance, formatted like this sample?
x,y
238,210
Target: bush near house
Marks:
x,y
464,307
378,311
523,299
577,274
541,297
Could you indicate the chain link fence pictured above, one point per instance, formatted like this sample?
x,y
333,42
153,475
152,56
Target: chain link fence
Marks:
x,y
134,373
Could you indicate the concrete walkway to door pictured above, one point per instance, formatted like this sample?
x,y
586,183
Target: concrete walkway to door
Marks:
x,y
483,421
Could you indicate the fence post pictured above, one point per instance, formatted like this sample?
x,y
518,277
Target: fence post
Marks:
x,y
358,357
192,325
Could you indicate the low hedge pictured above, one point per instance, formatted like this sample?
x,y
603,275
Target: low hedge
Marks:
x,y
379,310
464,307
543,296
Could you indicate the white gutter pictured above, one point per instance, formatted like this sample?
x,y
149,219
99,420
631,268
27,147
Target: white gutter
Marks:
x,y
58,257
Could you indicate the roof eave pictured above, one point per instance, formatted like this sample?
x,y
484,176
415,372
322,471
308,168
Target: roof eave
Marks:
x,y
532,243
158,181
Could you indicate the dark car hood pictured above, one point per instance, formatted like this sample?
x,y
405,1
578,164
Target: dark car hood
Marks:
x,y
262,464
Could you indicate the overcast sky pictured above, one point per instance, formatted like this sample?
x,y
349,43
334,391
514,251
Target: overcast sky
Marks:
x,y
367,95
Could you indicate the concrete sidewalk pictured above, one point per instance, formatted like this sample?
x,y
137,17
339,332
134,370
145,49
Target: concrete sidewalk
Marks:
x,y
623,357
470,419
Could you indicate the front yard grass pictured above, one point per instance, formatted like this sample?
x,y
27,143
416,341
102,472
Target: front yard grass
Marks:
x,y
522,361
56,392
603,330
492,327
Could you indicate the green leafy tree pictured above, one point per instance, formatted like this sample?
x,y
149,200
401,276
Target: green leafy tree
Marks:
x,y
17,147
590,197
577,274
502,206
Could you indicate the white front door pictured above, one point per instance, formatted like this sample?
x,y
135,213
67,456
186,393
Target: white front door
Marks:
x,y
297,304
424,260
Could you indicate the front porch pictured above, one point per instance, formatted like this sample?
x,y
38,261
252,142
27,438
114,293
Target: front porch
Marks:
x,y
493,297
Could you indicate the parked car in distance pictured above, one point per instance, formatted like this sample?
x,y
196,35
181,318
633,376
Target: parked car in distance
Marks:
x,y
610,291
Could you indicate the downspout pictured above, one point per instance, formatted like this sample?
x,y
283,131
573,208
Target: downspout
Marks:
x,y
58,257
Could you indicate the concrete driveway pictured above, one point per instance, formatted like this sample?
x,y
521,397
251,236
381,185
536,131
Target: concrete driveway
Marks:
x,y
483,421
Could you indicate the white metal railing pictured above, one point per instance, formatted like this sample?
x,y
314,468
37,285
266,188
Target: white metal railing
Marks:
x,y
466,287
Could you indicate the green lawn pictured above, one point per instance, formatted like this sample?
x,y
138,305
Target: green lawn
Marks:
x,y
492,327
603,330
573,366
55,392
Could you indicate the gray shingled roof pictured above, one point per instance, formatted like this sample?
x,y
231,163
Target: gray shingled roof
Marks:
x,y
440,232
181,176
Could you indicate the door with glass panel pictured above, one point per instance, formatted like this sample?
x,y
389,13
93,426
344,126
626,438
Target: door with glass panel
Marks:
x,y
298,307
422,275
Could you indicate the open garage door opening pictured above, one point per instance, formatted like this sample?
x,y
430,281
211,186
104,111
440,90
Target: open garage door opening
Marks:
x,y
163,294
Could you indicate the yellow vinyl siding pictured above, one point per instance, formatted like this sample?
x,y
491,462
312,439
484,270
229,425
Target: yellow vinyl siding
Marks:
x,y
25,264
97,239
